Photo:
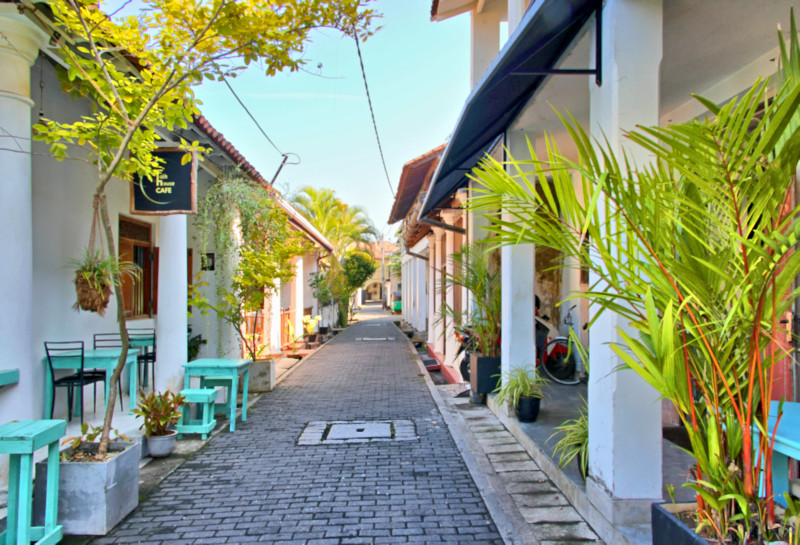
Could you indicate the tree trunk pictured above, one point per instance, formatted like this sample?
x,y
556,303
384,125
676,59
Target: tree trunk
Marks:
x,y
102,448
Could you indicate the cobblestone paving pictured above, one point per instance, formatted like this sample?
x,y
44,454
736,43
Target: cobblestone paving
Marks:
x,y
259,485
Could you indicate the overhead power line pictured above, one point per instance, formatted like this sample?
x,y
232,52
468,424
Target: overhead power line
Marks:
x,y
253,118
372,113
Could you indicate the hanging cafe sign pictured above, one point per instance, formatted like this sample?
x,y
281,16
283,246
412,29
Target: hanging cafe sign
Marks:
x,y
173,191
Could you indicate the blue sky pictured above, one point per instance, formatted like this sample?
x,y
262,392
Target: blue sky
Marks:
x,y
418,74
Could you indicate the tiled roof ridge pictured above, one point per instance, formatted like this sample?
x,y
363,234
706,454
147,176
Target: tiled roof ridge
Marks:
x,y
202,123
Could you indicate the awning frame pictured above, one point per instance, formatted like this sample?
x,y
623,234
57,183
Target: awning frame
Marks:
x,y
598,48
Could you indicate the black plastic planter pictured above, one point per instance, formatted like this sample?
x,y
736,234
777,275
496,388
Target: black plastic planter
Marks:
x,y
483,373
528,409
669,530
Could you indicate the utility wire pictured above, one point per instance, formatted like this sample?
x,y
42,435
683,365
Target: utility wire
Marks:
x,y
253,118
372,113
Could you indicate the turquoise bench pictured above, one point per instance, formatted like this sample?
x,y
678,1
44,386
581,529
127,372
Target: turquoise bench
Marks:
x,y
204,398
787,445
20,440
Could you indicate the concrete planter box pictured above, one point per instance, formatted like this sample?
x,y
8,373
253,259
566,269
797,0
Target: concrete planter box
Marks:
x,y
668,528
93,497
262,376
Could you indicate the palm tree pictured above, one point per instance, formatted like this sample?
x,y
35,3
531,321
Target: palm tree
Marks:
x,y
343,225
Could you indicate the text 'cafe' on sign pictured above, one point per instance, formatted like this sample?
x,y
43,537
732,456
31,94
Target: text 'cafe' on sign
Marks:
x,y
173,191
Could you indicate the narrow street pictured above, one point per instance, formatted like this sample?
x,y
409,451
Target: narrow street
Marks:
x,y
409,484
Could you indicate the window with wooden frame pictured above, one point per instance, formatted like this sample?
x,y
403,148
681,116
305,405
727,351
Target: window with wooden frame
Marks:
x,y
136,246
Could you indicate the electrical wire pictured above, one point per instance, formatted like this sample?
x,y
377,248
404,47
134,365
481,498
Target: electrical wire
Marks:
x,y
372,113
254,120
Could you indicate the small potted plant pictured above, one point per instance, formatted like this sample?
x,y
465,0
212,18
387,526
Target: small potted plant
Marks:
x,y
94,279
523,389
309,327
574,442
160,412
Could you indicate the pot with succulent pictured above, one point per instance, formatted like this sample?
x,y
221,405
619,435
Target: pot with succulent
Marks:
x,y
522,389
160,412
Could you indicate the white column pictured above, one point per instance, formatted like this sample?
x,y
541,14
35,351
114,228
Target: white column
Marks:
x,y
172,321
431,286
297,293
406,280
624,412
450,342
275,322
517,343
485,42
422,290
516,9
19,46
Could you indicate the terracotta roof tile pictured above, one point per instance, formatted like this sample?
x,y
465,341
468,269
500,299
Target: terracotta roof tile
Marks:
x,y
416,174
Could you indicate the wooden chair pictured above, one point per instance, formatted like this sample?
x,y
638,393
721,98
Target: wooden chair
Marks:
x,y
79,379
109,340
148,356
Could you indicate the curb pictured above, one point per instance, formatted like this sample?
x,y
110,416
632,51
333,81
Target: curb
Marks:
x,y
509,522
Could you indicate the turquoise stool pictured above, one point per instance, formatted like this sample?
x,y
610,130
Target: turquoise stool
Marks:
x,y
204,398
20,440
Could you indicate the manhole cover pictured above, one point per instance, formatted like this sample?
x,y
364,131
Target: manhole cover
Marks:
x,y
369,430
361,431
359,339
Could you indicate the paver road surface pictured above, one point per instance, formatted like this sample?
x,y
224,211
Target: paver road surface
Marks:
x,y
404,482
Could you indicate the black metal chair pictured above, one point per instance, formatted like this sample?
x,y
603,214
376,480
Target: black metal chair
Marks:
x,y
79,379
147,357
108,340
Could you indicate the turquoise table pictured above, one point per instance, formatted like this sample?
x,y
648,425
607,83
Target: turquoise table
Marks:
x,y
221,372
101,358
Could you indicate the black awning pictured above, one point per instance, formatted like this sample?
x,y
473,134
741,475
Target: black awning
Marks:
x,y
457,177
537,44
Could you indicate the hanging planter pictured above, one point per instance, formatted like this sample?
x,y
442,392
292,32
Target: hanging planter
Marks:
x,y
94,278
95,274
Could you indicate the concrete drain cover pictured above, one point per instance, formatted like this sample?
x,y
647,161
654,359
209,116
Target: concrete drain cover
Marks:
x,y
337,432
359,339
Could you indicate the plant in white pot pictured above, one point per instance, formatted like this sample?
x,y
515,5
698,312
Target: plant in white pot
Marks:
x,y
160,412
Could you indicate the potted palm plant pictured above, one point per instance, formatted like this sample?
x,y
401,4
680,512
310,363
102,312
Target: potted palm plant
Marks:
x,y
522,388
160,412
470,269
